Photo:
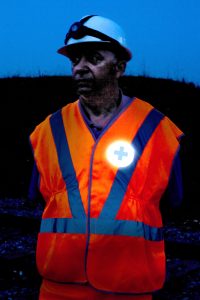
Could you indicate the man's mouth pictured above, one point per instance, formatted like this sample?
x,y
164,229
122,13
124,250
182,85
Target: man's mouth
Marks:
x,y
84,86
83,82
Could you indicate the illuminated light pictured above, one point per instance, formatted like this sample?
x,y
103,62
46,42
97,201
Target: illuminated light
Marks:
x,y
120,154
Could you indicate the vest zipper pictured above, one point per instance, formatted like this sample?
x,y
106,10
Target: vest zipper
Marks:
x,y
89,202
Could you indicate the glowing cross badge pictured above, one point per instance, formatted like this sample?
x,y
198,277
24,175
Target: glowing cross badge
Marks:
x,y
120,154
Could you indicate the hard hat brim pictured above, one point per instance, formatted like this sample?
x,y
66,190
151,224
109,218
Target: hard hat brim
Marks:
x,y
123,52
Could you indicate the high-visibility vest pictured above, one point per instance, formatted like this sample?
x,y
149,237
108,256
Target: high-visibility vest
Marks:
x,y
102,223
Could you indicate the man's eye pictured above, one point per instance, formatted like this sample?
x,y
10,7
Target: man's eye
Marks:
x,y
75,60
95,59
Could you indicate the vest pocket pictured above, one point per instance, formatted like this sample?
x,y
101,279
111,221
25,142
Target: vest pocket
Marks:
x,y
126,264
60,256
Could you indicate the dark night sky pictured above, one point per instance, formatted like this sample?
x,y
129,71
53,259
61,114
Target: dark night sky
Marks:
x,y
163,35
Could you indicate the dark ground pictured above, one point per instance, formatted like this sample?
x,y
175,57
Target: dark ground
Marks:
x,y
19,280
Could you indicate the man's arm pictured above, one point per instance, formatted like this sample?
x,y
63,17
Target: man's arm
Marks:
x,y
173,196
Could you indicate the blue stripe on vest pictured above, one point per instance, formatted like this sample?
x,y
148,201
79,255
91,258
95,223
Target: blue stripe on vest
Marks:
x,y
98,226
123,176
66,165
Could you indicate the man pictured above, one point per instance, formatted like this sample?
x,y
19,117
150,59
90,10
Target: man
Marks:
x,y
104,163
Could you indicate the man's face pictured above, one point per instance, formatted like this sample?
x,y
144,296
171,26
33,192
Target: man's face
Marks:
x,y
93,70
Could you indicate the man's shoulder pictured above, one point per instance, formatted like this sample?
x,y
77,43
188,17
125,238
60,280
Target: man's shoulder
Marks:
x,y
45,122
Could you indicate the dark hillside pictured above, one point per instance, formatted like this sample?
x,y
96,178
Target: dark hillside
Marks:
x,y
27,101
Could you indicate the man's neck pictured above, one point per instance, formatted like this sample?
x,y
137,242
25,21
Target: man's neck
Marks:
x,y
100,109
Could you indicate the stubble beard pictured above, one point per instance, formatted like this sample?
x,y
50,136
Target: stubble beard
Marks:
x,y
101,98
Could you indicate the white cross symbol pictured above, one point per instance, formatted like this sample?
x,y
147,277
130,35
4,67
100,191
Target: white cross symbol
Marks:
x,y
120,154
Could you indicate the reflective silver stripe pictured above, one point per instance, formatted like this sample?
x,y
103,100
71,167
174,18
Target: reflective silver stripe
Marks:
x,y
105,227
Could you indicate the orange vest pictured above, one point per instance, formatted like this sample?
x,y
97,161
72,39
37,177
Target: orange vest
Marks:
x,y
102,223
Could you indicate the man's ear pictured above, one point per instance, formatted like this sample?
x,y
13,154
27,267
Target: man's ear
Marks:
x,y
120,68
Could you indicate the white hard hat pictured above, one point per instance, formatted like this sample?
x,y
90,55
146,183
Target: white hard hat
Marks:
x,y
96,29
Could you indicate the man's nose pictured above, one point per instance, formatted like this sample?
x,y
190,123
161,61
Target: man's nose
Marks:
x,y
82,64
80,68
